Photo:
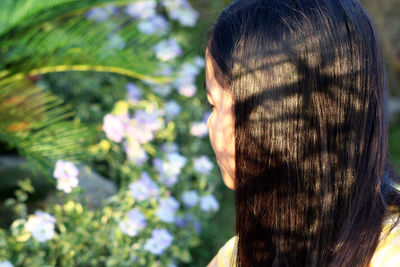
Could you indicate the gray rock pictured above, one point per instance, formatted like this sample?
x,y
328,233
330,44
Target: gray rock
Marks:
x,y
95,189
14,169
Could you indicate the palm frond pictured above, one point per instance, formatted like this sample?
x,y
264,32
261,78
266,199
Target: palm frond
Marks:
x,y
45,36
18,14
40,125
77,43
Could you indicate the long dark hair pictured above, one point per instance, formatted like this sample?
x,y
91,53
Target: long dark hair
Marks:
x,y
313,183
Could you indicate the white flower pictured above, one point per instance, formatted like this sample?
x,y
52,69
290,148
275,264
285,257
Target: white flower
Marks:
x,y
66,174
65,170
114,127
199,62
199,129
139,134
6,264
190,198
187,89
209,203
135,152
202,165
142,9
167,49
66,185
41,226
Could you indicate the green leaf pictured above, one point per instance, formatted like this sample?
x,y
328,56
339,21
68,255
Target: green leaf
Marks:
x,y
18,14
71,42
38,123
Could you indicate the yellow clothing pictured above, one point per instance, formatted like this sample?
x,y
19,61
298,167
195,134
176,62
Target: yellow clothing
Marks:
x,y
387,254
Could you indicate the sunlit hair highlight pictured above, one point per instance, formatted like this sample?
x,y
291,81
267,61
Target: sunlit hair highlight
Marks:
x,y
313,183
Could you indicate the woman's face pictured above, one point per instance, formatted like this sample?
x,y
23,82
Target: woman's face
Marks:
x,y
221,125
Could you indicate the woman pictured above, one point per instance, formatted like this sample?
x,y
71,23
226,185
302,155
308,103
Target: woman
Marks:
x,y
300,131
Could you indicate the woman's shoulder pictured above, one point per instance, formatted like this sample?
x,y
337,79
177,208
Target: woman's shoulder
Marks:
x,y
227,254
387,253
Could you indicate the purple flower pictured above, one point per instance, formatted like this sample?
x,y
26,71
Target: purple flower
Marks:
x,y
166,210
167,49
149,120
190,198
162,90
134,94
172,109
197,226
209,203
169,148
159,241
164,69
202,165
186,77
66,174
141,9
101,14
41,226
144,188
114,128
154,24
182,222
133,222
199,129
182,11
98,14
170,168
189,71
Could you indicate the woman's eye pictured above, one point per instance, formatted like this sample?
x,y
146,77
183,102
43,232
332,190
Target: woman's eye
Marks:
x,y
210,106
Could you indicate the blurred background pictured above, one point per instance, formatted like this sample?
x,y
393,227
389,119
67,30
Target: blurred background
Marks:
x,y
104,152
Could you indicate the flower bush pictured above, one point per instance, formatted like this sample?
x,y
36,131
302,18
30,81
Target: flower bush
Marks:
x,y
155,142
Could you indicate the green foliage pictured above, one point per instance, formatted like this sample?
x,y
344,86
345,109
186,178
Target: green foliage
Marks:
x,y
55,95
394,143
39,124
48,36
